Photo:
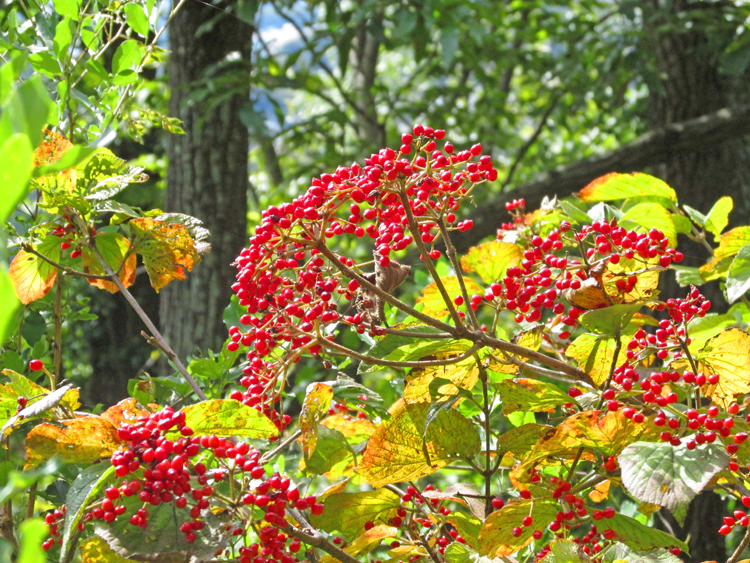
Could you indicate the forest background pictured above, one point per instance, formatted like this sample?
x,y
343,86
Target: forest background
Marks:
x,y
271,93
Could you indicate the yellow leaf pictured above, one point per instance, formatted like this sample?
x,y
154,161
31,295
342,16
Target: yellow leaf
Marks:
x,y
615,186
96,550
463,374
432,299
168,250
647,279
314,409
349,512
594,355
124,412
80,440
728,355
371,539
398,452
356,430
492,259
601,491
730,244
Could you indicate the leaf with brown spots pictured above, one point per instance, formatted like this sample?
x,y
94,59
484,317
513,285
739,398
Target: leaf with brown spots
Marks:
x,y
80,440
114,248
397,452
32,277
496,538
314,409
168,249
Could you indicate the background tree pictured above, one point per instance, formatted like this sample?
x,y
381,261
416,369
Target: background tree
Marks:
x,y
208,78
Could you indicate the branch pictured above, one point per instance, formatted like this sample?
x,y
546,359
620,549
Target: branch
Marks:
x,y
648,150
740,548
314,538
147,321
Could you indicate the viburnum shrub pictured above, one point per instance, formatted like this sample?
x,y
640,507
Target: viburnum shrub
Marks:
x,y
546,399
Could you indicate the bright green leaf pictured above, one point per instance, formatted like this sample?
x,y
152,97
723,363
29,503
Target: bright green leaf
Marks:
x,y
649,216
16,163
615,186
639,536
610,321
128,54
137,18
63,38
67,8
227,417
718,218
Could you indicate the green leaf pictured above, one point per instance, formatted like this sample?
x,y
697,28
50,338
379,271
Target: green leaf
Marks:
x,y
88,485
687,275
397,452
461,553
615,186
702,329
33,531
67,8
128,54
565,551
63,38
27,111
496,538
697,217
530,395
652,215
718,218
738,275
16,163
348,512
682,223
639,536
492,259
227,417
10,305
666,475
46,63
610,321
331,448
137,18
162,539
449,44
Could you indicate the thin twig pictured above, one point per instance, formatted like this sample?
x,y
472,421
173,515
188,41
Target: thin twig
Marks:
x,y
370,360
314,538
266,457
147,321
450,250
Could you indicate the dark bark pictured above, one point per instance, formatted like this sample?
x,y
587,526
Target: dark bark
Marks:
x,y
654,148
208,171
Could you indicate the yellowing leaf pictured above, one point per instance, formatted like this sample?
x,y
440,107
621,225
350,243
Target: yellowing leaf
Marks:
x,y
728,355
601,491
398,452
624,186
113,247
371,539
492,259
730,244
51,149
356,430
517,442
463,374
594,355
227,417
432,299
80,440
168,250
349,512
96,550
530,395
648,216
32,277
647,279
124,412
496,537
718,218
314,409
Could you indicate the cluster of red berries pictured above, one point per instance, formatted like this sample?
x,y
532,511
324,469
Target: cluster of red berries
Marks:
x,y
739,517
272,546
287,283
67,232
54,521
157,466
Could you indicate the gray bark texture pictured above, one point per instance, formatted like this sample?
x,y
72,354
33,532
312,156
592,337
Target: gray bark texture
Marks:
x,y
208,170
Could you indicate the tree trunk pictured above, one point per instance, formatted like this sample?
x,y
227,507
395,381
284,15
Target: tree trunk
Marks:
x,y
688,85
208,171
